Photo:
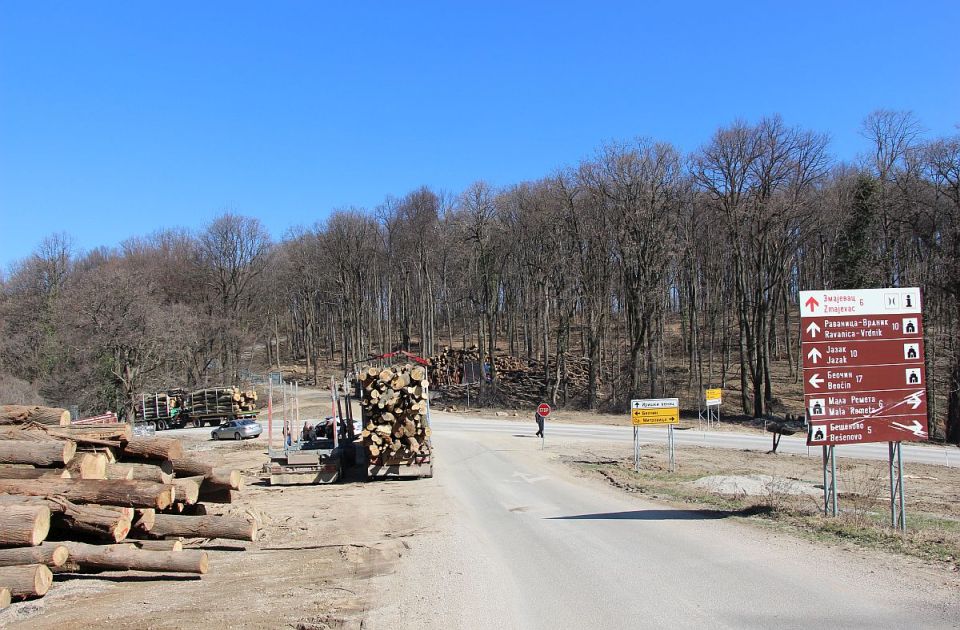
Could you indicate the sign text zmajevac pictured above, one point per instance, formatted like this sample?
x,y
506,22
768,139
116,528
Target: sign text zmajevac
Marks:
x,y
863,369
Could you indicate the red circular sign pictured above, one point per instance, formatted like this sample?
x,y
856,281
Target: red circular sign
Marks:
x,y
543,410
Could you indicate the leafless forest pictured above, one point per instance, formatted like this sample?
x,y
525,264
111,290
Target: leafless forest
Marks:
x,y
662,270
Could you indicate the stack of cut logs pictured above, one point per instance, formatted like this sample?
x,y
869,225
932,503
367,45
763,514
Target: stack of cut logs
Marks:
x,y
519,381
91,498
221,401
395,412
160,405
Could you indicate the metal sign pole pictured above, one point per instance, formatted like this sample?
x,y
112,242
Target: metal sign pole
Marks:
x,y
670,447
825,490
898,518
270,414
636,449
833,481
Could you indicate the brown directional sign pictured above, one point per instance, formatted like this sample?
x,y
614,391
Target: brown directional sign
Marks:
x,y
866,328
863,366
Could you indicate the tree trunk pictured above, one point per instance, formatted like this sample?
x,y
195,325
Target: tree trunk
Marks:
x,y
29,472
233,527
50,554
88,466
161,472
22,414
127,557
43,453
107,492
159,545
26,581
95,521
213,477
153,448
24,525
188,490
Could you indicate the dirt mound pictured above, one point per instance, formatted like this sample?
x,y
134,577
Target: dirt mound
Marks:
x,y
755,486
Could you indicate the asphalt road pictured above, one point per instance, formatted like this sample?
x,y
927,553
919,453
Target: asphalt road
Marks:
x,y
926,454
912,453
524,543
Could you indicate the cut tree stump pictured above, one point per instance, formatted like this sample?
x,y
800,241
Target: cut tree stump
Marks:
x,y
147,494
24,525
41,453
22,414
4,597
26,581
48,553
127,557
230,527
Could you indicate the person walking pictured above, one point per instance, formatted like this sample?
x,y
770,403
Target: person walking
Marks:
x,y
539,420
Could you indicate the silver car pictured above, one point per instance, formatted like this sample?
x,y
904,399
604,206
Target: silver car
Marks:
x,y
237,430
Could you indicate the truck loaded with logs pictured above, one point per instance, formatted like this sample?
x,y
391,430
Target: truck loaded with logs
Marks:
x,y
395,410
177,408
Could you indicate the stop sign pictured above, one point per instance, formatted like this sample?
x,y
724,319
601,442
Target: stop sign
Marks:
x,y
543,410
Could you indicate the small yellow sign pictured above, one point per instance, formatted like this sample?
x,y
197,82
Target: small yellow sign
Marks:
x,y
655,416
713,394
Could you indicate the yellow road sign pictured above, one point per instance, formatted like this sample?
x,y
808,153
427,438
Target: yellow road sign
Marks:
x,y
655,416
713,396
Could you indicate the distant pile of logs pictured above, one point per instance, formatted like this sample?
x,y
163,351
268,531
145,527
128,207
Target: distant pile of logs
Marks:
x,y
70,496
394,407
520,383
220,401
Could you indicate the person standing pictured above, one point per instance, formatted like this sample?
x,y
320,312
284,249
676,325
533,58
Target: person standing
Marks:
x,y
539,420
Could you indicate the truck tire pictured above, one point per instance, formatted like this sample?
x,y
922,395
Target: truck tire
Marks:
x,y
198,423
161,425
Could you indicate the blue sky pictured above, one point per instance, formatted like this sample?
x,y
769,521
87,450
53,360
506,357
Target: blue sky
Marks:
x,y
121,118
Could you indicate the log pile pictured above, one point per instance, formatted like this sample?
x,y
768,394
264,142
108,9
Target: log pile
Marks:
x,y
95,498
208,402
220,401
394,403
159,405
520,382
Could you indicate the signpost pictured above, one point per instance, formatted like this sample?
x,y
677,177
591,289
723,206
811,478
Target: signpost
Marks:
x,y
863,377
712,399
543,411
654,411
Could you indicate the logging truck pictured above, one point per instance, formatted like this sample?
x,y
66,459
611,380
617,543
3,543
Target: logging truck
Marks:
x,y
395,408
176,408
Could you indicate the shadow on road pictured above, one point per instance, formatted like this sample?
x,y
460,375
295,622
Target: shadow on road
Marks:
x,y
663,515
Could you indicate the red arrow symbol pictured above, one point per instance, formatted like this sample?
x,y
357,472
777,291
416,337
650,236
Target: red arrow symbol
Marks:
x,y
812,303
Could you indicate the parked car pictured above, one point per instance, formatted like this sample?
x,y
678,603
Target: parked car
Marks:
x,y
237,430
